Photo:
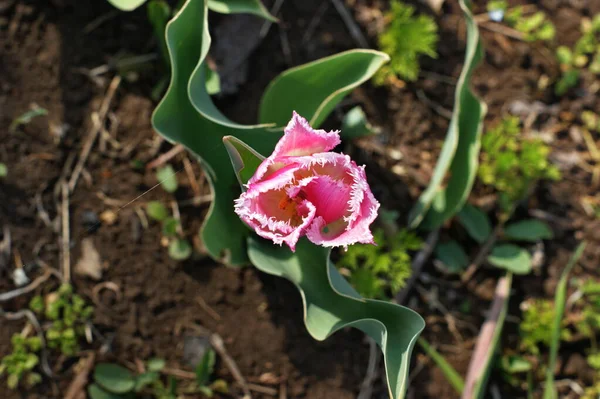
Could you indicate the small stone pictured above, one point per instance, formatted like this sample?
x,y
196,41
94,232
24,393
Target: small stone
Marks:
x,y
90,221
108,217
194,349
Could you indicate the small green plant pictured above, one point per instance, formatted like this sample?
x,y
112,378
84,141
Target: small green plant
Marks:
x,y
406,37
114,381
535,329
34,111
534,27
179,248
68,313
3,170
511,163
20,363
377,271
584,55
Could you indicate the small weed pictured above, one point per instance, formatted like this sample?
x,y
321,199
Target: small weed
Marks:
x,y
405,39
19,364
375,271
536,327
179,248
534,27
584,55
511,163
68,313
3,170
34,111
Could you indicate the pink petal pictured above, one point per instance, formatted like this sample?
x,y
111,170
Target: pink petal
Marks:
x,y
329,196
300,139
340,233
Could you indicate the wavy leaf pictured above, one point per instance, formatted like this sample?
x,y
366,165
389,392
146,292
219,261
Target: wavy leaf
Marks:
x,y
330,304
460,151
127,5
318,86
255,7
187,115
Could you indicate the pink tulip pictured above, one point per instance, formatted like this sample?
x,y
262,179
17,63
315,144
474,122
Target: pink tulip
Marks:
x,y
301,189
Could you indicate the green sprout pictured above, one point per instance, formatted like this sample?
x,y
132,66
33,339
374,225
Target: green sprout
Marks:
x,y
3,170
536,327
19,364
511,163
585,54
375,271
179,248
405,39
534,27
68,313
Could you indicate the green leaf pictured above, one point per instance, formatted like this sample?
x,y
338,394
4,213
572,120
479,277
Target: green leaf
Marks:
x,y
169,227
167,177
96,392
452,255
241,7
213,81
331,304
475,222
528,230
516,364
127,5
449,372
114,378
244,159
314,89
159,13
155,364
145,379
205,368
460,152
157,210
180,249
560,298
187,115
510,257
27,117
356,125
3,170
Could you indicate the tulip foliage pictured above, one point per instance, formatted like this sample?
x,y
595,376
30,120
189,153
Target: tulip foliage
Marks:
x,y
187,115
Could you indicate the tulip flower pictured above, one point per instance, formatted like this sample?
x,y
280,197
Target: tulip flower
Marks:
x,y
303,189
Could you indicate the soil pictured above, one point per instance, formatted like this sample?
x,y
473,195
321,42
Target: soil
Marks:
x,y
148,305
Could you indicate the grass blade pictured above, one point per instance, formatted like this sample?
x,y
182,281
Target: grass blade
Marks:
x,y
449,372
560,298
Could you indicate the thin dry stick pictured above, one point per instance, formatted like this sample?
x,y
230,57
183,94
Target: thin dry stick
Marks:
x,y
314,22
267,25
482,254
417,265
65,236
24,290
217,343
503,30
211,312
77,387
353,28
94,132
366,388
166,157
177,216
262,389
484,348
189,171
440,110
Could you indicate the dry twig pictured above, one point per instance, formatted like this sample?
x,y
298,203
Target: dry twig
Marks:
x,y
417,265
218,344
355,31
166,157
366,388
94,132
28,288
76,389
65,234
